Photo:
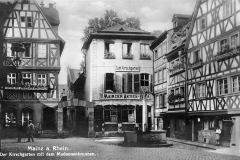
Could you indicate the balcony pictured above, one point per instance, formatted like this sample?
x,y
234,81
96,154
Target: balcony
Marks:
x,y
197,64
177,98
145,56
176,69
109,55
227,53
127,56
27,86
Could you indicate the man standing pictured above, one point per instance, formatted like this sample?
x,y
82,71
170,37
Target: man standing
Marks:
x,y
30,131
20,131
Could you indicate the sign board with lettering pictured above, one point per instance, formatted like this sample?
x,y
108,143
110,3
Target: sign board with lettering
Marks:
x,y
127,69
115,96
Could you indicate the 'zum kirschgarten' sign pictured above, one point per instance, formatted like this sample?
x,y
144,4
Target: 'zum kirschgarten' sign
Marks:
x,y
127,69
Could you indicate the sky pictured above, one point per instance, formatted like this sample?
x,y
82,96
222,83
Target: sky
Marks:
x,y
74,15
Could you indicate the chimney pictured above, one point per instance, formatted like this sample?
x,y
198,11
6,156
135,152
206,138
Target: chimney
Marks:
x,y
90,30
50,5
42,5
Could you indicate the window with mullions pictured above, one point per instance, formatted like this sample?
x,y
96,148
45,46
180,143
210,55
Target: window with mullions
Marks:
x,y
144,79
42,50
26,21
110,114
234,41
222,86
236,84
11,78
42,79
200,90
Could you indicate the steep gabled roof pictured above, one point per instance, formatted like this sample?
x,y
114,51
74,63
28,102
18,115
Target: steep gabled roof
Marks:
x,y
122,29
52,15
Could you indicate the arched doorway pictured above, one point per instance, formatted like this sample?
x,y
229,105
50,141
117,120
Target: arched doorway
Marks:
x,y
48,119
26,115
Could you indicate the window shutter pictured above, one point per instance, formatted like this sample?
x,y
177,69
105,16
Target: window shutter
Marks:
x,y
125,49
150,83
136,83
104,83
129,75
125,84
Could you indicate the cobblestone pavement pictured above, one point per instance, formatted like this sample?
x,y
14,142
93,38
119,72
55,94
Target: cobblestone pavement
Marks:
x,y
83,148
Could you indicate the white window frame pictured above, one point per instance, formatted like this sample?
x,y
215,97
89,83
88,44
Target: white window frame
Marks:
x,y
11,78
42,50
222,86
234,40
129,49
201,90
236,84
41,78
27,76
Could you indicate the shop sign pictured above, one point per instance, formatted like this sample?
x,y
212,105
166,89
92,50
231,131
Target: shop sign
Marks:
x,y
127,69
108,96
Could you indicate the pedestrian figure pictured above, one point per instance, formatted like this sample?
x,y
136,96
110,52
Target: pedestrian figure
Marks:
x,y
30,131
218,136
20,131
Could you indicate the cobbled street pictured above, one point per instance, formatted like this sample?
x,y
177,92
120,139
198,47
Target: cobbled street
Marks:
x,y
83,148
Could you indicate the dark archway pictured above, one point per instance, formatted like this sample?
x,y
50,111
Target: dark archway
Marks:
x,y
48,119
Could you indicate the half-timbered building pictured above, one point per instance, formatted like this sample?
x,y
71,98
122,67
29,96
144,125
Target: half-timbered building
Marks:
x,y
176,82
118,63
159,48
213,73
30,64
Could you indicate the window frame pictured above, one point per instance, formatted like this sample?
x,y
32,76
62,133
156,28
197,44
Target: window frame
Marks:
x,y
129,49
237,84
41,78
11,78
236,40
29,50
145,79
221,47
197,56
29,78
201,90
223,85
42,49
